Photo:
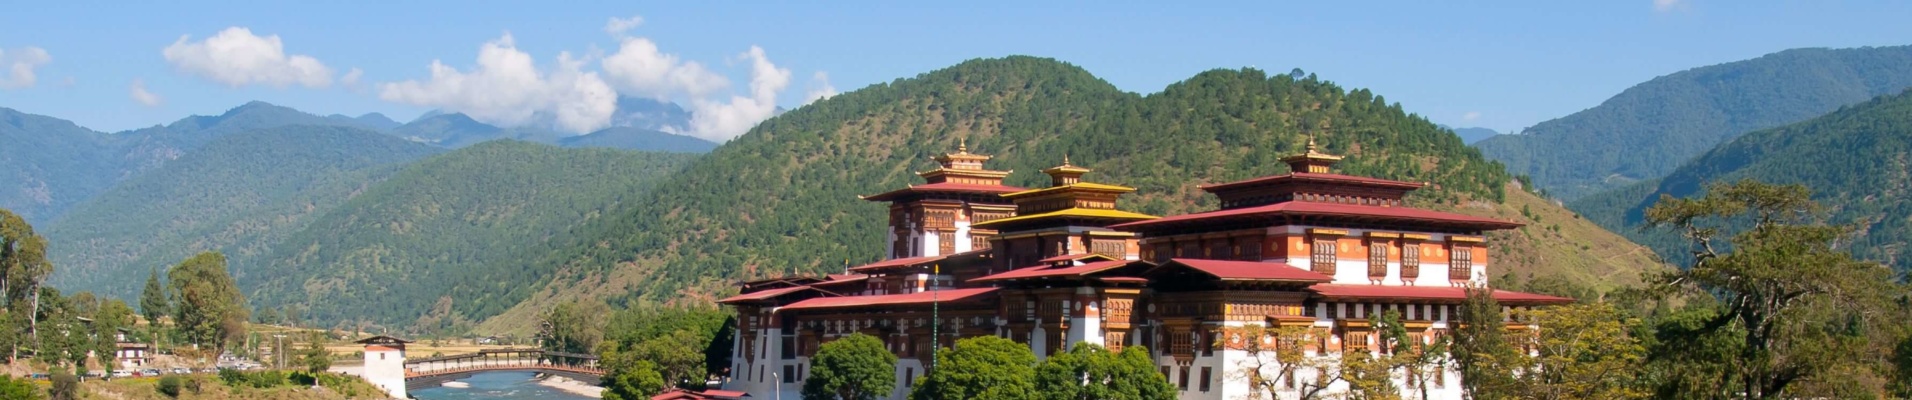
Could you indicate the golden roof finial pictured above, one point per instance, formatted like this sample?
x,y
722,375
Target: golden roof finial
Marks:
x,y
962,144
1065,158
1311,142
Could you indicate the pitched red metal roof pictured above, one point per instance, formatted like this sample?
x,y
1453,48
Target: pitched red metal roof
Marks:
x,y
942,296
1308,208
713,394
896,262
763,294
1313,177
1446,294
945,187
1046,271
1249,270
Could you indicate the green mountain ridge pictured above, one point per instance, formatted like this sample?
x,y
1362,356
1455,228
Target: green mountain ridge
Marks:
x,y
238,193
450,230
1857,160
1648,130
783,197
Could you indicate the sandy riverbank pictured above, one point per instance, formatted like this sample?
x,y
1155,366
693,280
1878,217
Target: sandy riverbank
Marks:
x,y
572,386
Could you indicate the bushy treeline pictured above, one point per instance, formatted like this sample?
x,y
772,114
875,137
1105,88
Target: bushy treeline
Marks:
x,y
645,348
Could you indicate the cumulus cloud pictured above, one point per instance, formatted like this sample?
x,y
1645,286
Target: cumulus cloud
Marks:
x,y
507,88
640,69
140,94
20,65
721,121
1470,116
617,26
820,88
236,57
1667,5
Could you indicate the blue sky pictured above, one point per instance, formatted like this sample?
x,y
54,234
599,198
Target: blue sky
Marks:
x,y
1502,65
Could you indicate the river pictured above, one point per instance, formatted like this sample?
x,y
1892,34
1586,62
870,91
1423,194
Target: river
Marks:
x,y
497,386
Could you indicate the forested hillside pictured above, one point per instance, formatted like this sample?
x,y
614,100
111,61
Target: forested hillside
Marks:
x,y
1648,130
782,197
1857,161
52,165
238,194
447,237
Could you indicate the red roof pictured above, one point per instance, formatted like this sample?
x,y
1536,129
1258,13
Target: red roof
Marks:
x,y
1447,294
1312,177
896,262
1308,208
944,187
941,296
763,294
1045,271
1249,270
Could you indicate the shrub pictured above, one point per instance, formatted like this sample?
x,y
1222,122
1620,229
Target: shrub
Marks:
x,y
66,386
170,386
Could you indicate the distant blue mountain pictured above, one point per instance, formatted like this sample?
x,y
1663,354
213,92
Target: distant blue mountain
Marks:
x,y
1474,135
639,139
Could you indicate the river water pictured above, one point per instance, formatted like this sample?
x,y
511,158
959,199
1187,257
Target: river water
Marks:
x,y
497,386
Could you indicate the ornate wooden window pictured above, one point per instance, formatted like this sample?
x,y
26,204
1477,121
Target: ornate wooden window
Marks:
x,y
1410,261
1460,263
1181,343
978,242
1114,341
1114,248
1356,340
1324,256
1377,259
946,242
1250,248
939,218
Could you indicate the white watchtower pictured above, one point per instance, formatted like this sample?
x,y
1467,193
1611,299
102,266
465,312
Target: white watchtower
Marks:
x,y
385,364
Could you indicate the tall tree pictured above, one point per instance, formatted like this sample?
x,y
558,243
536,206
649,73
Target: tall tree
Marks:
x,y
110,318
856,367
1803,310
210,310
1585,352
1091,372
153,301
23,269
573,327
629,378
982,368
1481,350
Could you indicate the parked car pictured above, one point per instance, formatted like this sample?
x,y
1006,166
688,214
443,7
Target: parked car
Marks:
x,y
150,372
181,371
123,374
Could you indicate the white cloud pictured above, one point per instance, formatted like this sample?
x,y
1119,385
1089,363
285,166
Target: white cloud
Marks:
x,y
19,65
1470,116
1667,5
236,57
721,121
351,78
820,88
140,94
639,68
617,26
507,88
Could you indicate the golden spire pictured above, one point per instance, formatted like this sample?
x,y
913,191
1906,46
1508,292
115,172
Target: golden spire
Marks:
x,y
1065,158
1312,160
962,144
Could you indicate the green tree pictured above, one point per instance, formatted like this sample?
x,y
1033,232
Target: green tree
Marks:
x,y
153,301
982,368
1088,372
21,389
210,310
23,269
110,317
1803,310
573,327
679,356
627,378
856,367
1481,350
315,358
1585,352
